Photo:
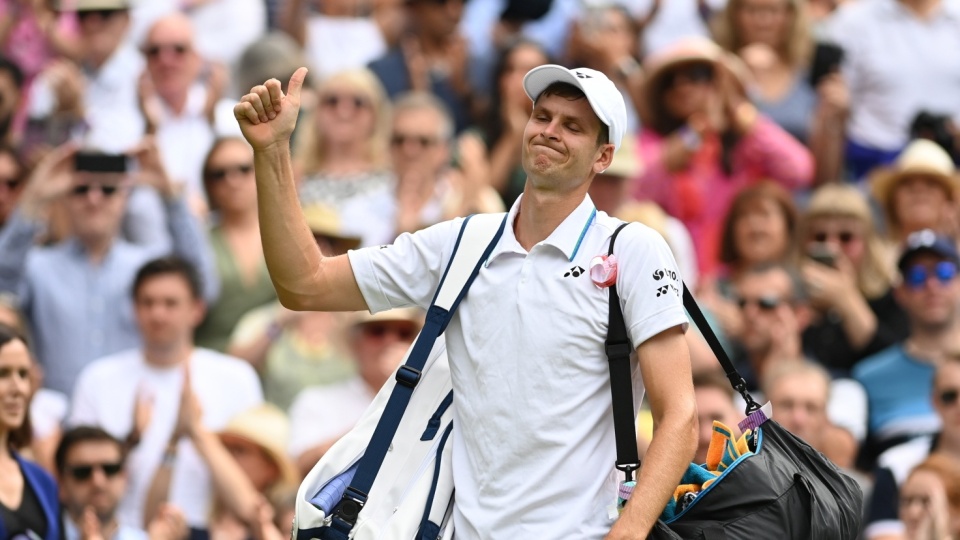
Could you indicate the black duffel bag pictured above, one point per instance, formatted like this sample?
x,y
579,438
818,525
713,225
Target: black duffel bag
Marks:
x,y
784,490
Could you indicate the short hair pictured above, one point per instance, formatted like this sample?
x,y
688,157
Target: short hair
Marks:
x,y
790,367
22,435
169,266
7,65
765,190
713,379
416,101
572,93
81,434
796,282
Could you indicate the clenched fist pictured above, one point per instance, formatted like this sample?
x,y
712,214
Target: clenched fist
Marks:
x,y
267,116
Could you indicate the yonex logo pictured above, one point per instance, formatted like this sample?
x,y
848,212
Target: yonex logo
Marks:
x,y
582,75
576,271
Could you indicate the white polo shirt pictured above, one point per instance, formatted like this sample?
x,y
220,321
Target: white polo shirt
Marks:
x,y
897,65
534,447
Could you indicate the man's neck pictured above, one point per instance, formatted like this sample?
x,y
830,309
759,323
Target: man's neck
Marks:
x,y
97,248
168,355
922,8
176,101
541,212
933,343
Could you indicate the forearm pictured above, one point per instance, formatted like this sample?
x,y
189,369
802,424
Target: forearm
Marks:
x,y
159,489
666,459
255,351
190,242
293,20
859,322
827,145
16,239
229,481
778,154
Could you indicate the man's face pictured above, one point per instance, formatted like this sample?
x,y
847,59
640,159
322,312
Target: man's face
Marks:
x,y
560,151
930,291
765,300
418,143
10,185
172,60
95,204
800,405
712,404
102,31
373,341
946,398
93,476
167,313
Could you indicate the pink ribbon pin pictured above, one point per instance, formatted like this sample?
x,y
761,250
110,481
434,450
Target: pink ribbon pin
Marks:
x,y
603,270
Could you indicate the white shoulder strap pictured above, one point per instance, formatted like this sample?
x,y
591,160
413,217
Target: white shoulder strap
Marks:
x,y
477,233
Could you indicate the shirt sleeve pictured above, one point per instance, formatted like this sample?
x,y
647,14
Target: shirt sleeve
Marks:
x,y
190,242
82,408
649,284
407,272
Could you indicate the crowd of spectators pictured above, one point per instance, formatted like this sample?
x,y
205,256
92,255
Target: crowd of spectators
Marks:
x,y
799,157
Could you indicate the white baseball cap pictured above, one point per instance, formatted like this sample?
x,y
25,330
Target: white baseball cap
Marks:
x,y
604,98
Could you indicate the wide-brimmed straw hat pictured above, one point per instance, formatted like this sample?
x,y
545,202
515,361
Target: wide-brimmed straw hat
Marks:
x,y
690,50
920,158
267,427
325,221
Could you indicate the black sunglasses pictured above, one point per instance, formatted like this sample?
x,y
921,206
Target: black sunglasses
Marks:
x,y
154,51
949,397
101,13
400,140
333,101
11,184
765,303
221,173
84,472
845,237
83,189
378,331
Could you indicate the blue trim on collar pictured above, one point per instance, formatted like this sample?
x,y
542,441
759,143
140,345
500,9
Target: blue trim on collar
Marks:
x,y
593,216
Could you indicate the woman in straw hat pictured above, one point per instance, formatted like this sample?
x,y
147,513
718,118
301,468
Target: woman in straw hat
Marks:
x,y
847,276
919,191
703,141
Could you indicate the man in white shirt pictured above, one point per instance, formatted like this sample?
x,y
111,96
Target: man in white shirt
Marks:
x,y
896,67
534,448
135,395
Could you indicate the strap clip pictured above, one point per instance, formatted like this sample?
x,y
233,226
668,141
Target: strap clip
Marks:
x,y
408,376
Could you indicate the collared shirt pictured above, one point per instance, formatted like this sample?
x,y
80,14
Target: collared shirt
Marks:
x,y
534,446
184,140
72,532
897,65
79,311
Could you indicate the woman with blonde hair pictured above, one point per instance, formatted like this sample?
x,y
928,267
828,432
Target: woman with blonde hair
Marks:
x,y
343,154
847,276
774,39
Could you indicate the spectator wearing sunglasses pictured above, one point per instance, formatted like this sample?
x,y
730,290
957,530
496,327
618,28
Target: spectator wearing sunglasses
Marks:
x,y
166,381
898,378
235,240
342,152
93,481
895,464
106,85
919,191
321,415
438,176
847,277
775,315
177,95
28,495
75,292
703,141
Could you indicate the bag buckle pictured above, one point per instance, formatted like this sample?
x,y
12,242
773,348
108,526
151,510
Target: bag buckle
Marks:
x,y
628,469
349,507
620,349
408,376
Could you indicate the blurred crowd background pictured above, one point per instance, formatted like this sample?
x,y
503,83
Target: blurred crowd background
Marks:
x,y
798,156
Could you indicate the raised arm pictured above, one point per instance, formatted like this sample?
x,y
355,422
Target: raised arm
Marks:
x,y
303,277
665,366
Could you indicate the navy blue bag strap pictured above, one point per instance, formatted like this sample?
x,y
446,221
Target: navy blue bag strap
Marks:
x,y
618,348
445,303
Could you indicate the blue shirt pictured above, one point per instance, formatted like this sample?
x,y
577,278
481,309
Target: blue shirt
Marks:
x,y
79,310
898,393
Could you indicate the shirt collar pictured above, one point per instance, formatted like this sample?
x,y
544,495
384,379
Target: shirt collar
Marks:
x,y
567,237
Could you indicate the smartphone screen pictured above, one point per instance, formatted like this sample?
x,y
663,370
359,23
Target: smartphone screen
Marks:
x,y
826,60
106,163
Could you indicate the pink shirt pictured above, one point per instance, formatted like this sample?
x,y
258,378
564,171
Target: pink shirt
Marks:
x,y
26,44
701,195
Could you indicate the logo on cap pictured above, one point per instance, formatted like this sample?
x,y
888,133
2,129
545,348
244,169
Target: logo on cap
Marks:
x,y
582,75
